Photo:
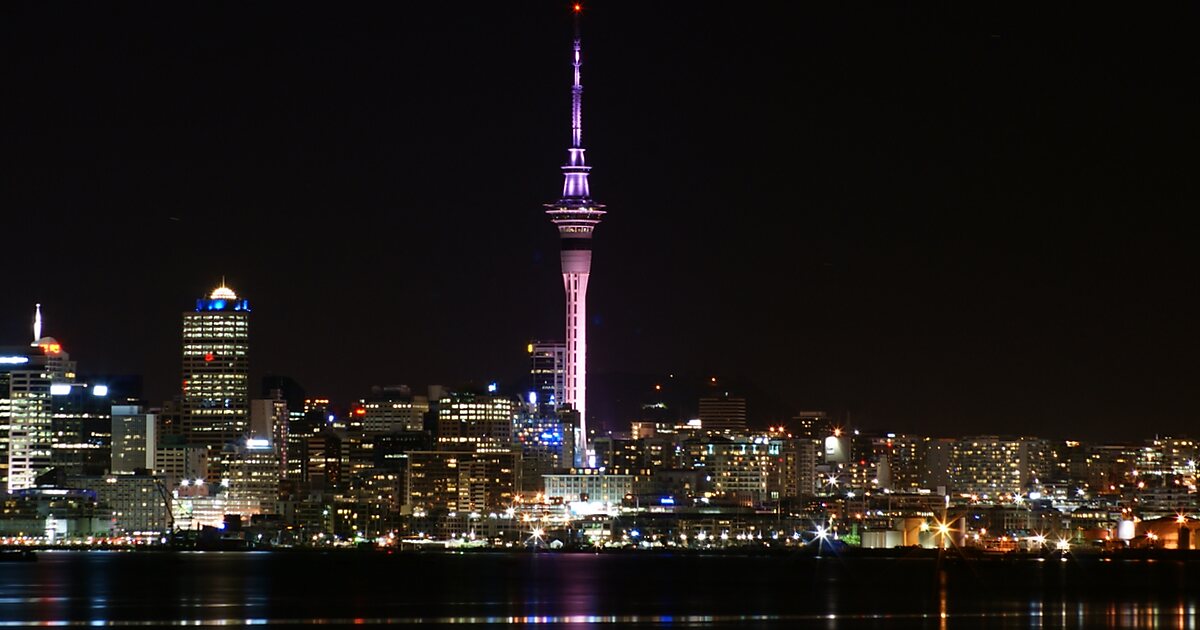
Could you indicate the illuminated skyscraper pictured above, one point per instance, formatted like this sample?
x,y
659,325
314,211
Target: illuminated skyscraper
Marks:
x,y
576,215
29,376
722,413
547,366
215,407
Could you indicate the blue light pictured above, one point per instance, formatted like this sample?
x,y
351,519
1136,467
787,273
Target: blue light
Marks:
x,y
667,501
223,305
13,360
492,387
100,390
532,398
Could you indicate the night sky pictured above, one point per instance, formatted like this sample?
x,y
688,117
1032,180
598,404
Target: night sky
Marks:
x,y
940,219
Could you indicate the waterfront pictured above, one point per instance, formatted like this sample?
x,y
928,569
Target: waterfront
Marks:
x,y
594,590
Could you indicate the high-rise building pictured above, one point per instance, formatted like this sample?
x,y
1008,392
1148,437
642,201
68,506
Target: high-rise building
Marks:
x,y
133,440
548,368
29,377
816,425
140,502
269,420
446,480
476,422
253,474
739,467
393,408
723,413
546,443
576,215
992,467
215,406
82,422
175,461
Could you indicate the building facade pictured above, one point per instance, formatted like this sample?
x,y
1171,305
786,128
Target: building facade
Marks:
x,y
134,444
215,406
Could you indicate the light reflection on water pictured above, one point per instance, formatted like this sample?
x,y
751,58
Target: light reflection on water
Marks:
x,y
1184,620
158,589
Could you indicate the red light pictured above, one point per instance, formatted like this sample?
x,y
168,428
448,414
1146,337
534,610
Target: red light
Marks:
x,y
578,7
360,412
209,357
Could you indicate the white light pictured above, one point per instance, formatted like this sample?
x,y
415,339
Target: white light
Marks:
x,y
100,390
14,360
60,389
257,443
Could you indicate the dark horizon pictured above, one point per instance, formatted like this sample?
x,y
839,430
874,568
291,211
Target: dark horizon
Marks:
x,y
944,221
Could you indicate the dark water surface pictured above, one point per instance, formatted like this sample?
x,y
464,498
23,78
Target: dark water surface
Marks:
x,y
581,590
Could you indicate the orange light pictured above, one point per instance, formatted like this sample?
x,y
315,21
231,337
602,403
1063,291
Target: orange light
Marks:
x,y
51,348
578,7
360,412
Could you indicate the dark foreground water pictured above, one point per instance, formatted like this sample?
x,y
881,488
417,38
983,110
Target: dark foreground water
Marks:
x,y
152,588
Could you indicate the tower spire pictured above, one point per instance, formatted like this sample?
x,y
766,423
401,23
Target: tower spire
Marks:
x,y
576,191
577,91
37,323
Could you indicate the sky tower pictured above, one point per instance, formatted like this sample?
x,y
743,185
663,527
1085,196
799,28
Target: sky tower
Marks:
x,y
576,215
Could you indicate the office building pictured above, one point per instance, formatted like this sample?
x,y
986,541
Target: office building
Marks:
x,y
471,481
723,413
134,443
393,408
590,485
29,377
252,474
468,421
176,461
215,403
548,370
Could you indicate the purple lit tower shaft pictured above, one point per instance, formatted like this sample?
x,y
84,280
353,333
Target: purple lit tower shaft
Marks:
x,y
576,215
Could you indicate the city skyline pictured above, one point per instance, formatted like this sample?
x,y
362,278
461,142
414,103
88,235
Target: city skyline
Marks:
x,y
949,310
